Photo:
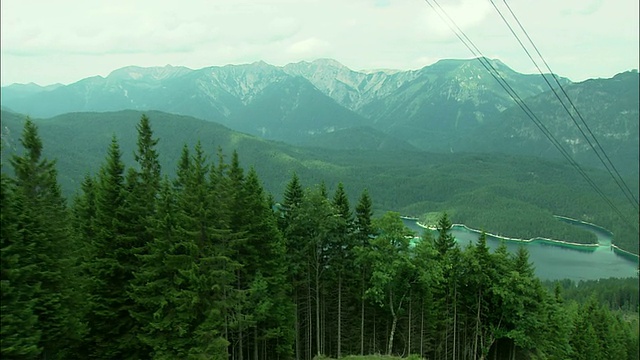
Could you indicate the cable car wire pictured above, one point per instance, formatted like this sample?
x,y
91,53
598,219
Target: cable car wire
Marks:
x,y
609,166
518,100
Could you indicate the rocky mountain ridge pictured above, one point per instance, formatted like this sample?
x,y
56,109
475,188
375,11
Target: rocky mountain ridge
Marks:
x,y
223,93
450,106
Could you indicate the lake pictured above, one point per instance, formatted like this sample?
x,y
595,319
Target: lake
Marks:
x,y
553,262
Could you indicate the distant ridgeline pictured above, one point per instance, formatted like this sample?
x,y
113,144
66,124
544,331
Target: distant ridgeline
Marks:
x,y
513,196
452,106
186,256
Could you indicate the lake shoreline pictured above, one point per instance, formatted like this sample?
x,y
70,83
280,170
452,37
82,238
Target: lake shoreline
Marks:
x,y
572,220
625,253
555,242
552,260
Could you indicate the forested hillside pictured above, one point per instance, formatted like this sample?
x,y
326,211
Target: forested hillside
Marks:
x,y
618,294
506,195
204,264
609,108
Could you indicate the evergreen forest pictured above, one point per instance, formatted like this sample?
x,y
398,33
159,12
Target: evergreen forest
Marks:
x,y
206,264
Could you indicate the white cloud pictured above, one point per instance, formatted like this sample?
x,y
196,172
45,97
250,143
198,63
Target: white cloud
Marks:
x,y
466,14
65,40
308,47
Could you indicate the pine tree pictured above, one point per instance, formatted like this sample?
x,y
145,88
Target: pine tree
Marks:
x,y
448,299
292,198
558,327
142,185
229,182
19,334
294,244
181,290
84,211
84,231
363,233
265,272
147,158
342,256
445,241
310,228
113,333
211,278
584,339
364,213
161,286
184,166
43,229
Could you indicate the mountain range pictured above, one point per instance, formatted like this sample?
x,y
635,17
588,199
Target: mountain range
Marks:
x,y
450,106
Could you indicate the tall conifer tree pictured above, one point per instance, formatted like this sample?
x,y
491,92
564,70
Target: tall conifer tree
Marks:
x,y
43,226
264,270
342,257
445,241
19,334
288,209
363,234
113,331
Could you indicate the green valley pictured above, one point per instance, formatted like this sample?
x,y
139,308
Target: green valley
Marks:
x,y
514,196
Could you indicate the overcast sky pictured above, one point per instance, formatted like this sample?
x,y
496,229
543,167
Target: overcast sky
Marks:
x,y
63,41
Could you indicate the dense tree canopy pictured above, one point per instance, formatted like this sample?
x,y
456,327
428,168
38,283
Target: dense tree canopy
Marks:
x,y
206,266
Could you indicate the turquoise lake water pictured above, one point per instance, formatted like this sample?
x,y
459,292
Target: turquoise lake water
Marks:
x,y
556,262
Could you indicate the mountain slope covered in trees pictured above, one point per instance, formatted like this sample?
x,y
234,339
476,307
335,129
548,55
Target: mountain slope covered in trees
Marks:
x,y
609,108
479,190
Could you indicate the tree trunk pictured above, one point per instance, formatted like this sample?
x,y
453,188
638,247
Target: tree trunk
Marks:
x,y
240,345
255,343
339,315
317,278
309,322
375,343
446,326
393,324
475,342
392,333
422,330
323,317
297,323
240,324
362,318
513,351
455,319
410,324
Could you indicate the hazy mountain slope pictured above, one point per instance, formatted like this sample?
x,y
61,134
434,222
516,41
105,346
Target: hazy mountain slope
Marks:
x,y
293,110
451,106
359,138
449,91
608,106
127,88
10,134
210,93
352,89
436,110
17,91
